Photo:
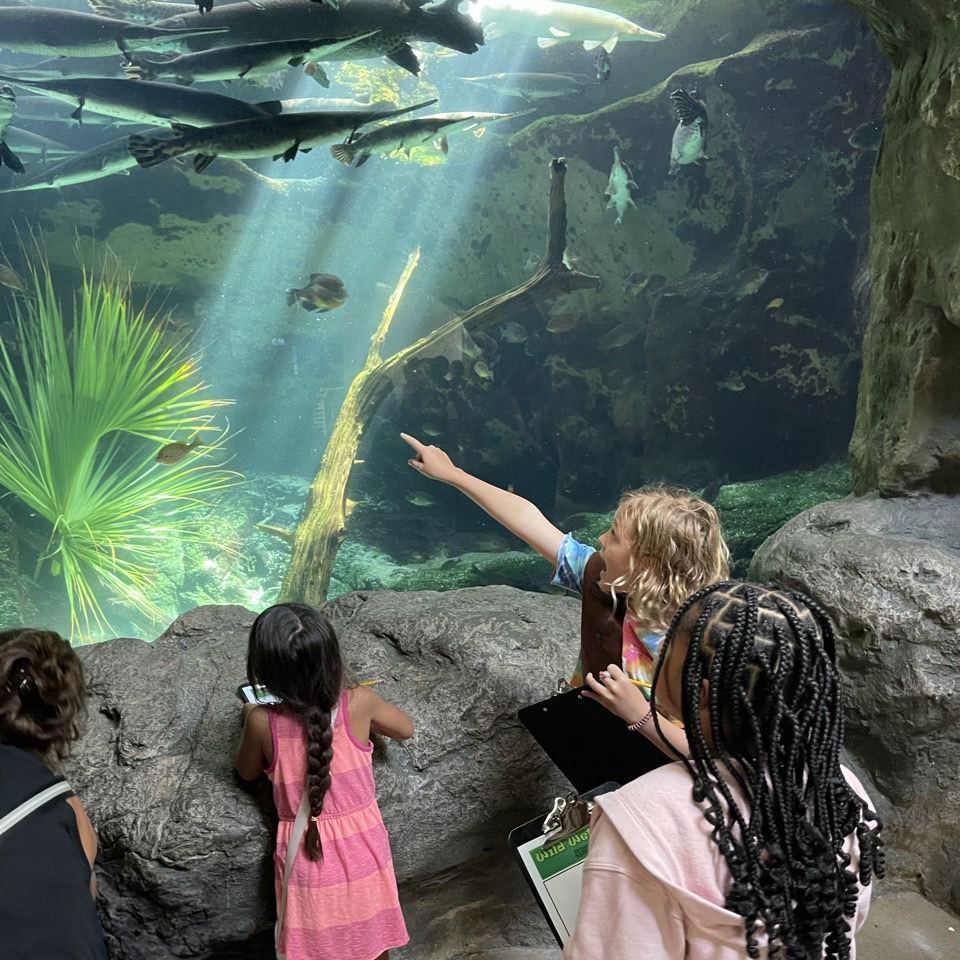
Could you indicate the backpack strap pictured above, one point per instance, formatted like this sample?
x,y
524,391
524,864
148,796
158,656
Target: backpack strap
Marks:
x,y
293,848
34,803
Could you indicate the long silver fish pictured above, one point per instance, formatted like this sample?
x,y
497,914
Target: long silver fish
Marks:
x,y
690,137
109,158
234,63
335,103
46,30
396,23
619,187
555,23
396,136
48,110
146,102
8,107
481,120
531,86
55,67
275,137
33,145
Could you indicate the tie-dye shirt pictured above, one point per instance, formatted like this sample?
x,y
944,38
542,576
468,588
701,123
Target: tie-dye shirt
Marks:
x,y
642,639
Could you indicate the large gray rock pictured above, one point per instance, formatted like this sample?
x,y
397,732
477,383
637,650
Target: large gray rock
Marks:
x,y
888,572
185,866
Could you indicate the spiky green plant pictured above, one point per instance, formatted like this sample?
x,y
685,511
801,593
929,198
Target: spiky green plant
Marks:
x,y
95,395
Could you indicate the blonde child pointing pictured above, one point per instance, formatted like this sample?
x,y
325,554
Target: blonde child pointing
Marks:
x,y
663,545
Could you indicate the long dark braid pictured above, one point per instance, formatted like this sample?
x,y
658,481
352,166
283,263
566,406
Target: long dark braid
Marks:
x,y
295,654
775,709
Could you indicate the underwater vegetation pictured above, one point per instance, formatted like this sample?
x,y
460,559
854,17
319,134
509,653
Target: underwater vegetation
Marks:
x,y
95,390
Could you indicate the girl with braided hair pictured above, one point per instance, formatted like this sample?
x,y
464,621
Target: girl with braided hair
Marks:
x,y
762,844
341,895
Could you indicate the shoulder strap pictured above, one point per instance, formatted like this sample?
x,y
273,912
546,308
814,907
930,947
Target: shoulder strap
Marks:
x,y
34,803
293,848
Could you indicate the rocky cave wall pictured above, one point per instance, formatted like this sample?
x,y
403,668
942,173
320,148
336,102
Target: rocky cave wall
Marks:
x,y
886,564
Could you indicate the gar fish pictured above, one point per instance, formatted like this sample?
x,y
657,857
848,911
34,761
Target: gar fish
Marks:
x,y
403,135
480,120
396,22
33,145
72,33
555,23
531,86
322,292
102,161
335,103
147,102
233,63
690,138
8,106
35,106
175,452
282,136
619,187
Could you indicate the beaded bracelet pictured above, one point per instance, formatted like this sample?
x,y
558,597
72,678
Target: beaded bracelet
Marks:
x,y
635,727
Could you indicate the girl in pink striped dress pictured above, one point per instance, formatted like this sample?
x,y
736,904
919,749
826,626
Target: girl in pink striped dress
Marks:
x,y
341,901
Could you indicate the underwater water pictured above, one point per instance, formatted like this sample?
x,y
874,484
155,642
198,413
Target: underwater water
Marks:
x,y
716,188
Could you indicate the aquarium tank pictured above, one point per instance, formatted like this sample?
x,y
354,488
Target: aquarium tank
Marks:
x,y
245,246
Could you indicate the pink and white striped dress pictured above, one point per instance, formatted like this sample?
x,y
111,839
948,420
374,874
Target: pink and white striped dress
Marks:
x,y
345,906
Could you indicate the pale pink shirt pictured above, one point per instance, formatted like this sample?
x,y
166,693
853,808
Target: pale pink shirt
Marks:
x,y
655,882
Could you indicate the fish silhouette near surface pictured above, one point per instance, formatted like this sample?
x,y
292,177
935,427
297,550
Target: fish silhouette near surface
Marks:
x,y
690,137
175,452
62,33
322,293
278,137
397,22
554,23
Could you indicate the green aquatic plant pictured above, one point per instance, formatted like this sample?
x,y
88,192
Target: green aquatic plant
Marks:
x,y
95,390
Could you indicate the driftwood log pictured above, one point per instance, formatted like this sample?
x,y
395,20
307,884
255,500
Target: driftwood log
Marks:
x,y
319,535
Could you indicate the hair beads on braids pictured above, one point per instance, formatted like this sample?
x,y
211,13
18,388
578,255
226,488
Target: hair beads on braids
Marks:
x,y
295,654
775,727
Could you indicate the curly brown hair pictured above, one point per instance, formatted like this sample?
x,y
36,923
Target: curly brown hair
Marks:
x,y
676,547
42,692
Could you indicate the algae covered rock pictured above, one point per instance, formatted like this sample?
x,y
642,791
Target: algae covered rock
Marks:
x,y
185,865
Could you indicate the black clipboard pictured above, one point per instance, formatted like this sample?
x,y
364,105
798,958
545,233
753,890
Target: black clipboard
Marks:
x,y
588,743
561,916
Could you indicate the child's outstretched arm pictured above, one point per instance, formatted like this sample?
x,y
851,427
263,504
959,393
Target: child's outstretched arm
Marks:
x,y
518,515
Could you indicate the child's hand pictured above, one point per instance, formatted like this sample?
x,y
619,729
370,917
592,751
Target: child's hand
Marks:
x,y
430,461
618,695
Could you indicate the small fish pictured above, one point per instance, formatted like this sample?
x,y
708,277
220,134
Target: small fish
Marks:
x,y
419,498
619,336
690,137
482,369
323,292
513,332
775,304
8,106
569,258
602,64
752,283
562,322
490,543
866,137
10,278
175,452
635,284
619,187
449,564
431,430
